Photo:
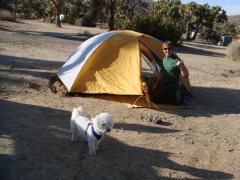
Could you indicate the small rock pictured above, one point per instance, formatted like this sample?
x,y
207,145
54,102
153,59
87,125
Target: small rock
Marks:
x,y
224,75
231,71
155,119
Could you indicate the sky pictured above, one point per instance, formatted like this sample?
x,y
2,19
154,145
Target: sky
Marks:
x,y
232,7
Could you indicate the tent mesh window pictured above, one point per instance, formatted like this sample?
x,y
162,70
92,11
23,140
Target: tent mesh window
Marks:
x,y
149,70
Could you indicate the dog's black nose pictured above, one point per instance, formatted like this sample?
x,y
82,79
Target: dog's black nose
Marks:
x,y
108,130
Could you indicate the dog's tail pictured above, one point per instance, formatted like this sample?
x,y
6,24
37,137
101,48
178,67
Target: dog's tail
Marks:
x,y
77,112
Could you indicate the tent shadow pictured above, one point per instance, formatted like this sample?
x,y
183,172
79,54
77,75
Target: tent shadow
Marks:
x,y
211,101
41,150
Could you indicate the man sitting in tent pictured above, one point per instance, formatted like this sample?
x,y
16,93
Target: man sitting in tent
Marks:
x,y
166,89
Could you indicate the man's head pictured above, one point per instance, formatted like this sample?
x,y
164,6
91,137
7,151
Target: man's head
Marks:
x,y
168,48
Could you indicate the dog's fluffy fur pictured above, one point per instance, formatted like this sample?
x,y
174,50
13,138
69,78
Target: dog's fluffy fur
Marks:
x,y
92,130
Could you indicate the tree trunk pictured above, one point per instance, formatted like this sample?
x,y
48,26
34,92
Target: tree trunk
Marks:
x,y
15,9
196,32
111,15
188,32
58,21
58,7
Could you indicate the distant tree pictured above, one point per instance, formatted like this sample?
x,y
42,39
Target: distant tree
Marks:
x,y
128,10
163,21
49,12
214,17
112,9
58,4
202,18
225,29
31,9
94,13
74,10
197,13
102,11
7,4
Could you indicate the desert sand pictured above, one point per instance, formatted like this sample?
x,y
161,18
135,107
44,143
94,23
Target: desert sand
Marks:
x,y
201,142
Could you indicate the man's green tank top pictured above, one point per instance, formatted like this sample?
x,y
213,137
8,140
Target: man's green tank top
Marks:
x,y
170,70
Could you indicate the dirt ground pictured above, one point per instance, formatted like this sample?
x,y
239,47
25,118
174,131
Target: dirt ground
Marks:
x,y
201,142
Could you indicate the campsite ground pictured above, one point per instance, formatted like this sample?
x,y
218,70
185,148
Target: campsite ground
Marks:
x,y
201,142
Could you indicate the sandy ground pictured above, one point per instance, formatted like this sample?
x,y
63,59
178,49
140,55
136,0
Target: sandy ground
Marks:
x,y
193,143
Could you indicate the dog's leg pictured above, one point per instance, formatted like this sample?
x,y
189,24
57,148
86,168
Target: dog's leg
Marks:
x,y
73,135
73,131
92,149
73,138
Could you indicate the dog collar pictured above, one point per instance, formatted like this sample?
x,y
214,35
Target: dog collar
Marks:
x,y
97,136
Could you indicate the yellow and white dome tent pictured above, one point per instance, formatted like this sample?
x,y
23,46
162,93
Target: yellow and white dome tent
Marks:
x,y
111,64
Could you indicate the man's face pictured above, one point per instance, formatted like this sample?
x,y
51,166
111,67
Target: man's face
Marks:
x,y
168,51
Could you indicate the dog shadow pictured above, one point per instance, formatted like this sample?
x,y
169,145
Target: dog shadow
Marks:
x,y
36,145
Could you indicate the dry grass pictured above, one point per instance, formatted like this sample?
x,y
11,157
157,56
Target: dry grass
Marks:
x,y
7,15
233,51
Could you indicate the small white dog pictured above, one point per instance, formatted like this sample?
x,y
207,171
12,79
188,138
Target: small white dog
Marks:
x,y
90,130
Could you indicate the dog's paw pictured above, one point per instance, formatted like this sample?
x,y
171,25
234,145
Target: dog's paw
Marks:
x,y
92,150
92,153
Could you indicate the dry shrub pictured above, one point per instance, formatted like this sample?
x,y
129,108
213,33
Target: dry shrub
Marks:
x,y
7,15
57,86
233,51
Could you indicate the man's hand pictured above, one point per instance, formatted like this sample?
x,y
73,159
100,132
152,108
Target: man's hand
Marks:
x,y
179,64
182,68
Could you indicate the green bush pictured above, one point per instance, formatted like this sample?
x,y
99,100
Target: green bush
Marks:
x,y
162,30
162,20
71,14
88,21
